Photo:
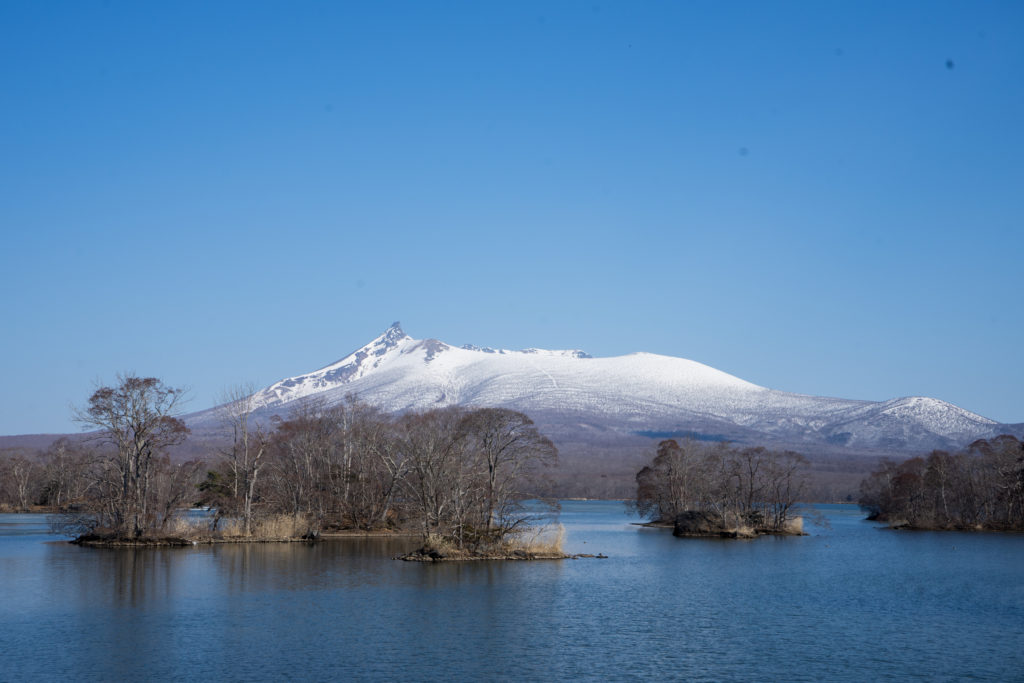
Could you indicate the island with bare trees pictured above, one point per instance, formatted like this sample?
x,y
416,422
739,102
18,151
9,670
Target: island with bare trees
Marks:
x,y
721,490
454,478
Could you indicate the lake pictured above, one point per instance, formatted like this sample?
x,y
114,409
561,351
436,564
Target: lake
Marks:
x,y
850,601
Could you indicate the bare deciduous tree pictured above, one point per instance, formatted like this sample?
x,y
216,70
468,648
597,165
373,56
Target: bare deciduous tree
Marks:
x,y
432,444
511,451
138,420
245,456
66,467
20,478
753,487
373,466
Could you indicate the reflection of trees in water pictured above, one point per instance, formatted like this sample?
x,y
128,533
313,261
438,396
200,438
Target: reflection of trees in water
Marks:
x,y
141,576
305,566
482,598
120,599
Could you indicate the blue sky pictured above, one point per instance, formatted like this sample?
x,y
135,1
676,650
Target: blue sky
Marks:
x,y
825,198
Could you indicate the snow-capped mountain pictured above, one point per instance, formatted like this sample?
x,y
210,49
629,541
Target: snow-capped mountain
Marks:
x,y
637,393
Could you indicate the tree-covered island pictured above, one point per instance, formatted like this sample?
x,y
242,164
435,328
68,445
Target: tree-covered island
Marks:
x,y
454,477
721,490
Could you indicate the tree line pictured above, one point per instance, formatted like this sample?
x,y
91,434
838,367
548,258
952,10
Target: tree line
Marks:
x,y
53,477
981,487
733,487
456,473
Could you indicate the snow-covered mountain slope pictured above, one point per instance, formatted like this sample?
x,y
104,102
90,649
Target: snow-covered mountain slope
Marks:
x,y
639,392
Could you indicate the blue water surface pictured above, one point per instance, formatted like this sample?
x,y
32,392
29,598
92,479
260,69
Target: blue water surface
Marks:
x,y
850,601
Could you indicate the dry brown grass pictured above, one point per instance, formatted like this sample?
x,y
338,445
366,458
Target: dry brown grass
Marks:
x,y
794,526
183,530
440,545
270,527
534,544
230,527
184,527
545,540
277,526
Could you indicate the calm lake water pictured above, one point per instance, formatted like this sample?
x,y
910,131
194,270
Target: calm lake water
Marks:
x,y
848,602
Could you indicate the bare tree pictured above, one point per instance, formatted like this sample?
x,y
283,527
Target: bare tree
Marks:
x,y
342,465
21,477
511,452
665,487
66,468
174,486
300,463
432,446
245,456
137,419
372,463
784,483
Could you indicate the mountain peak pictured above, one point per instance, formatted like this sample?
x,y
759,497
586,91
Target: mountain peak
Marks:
x,y
394,333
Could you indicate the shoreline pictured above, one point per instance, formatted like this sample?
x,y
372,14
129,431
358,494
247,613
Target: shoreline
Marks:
x,y
419,556
696,531
92,541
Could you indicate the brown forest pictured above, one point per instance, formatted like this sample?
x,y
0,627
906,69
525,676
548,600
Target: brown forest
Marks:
x,y
980,488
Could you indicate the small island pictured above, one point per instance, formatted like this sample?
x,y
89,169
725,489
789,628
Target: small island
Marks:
x,y
717,490
540,544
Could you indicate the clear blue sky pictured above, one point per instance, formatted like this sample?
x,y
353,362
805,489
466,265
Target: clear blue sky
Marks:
x,y
825,198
